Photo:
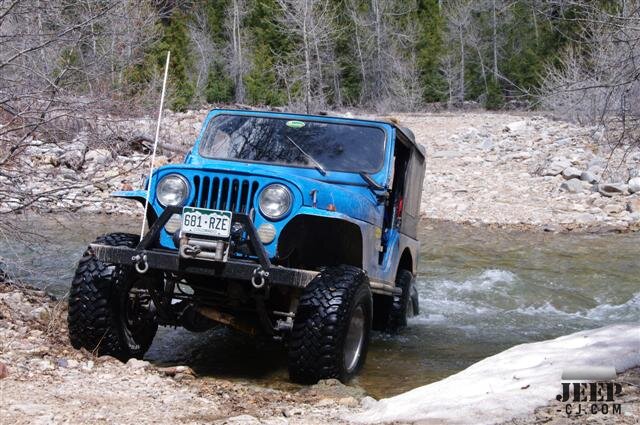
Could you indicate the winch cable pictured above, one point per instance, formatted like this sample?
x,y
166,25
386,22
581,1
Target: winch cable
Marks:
x,y
155,144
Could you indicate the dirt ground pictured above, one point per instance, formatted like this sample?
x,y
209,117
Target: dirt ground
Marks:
x,y
44,380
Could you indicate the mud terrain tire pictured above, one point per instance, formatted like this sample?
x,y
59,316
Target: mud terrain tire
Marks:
x,y
405,305
330,335
98,301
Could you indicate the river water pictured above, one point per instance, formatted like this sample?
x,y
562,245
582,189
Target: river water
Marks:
x,y
481,291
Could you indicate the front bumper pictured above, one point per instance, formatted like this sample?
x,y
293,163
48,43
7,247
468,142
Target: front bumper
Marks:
x,y
233,269
143,258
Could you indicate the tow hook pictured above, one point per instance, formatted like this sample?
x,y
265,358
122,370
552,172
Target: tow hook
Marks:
x,y
259,277
142,266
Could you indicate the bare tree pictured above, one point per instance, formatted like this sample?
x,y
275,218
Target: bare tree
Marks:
x,y
457,14
598,79
238,67
384,44
204,51
58,68
311,24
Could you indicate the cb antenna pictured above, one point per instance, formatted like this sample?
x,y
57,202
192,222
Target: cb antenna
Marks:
x,y
155,144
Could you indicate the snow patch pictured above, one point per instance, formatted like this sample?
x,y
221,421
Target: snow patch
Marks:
x,y
510,384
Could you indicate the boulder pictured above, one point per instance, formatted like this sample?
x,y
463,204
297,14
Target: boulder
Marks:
x,y
634,185
572,186
556,168
73,156
612,189
589,177
571,173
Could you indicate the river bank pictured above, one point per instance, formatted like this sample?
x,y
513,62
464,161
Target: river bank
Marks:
x,y
521,172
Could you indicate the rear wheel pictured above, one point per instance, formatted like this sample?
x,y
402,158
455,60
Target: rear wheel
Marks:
x,y
110,311
330,335
405,305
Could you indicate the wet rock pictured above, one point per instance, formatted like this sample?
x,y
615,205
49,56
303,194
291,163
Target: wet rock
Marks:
x,y
589,177
571,173
634,185
333,389
572,186
612,189
179,377
175,370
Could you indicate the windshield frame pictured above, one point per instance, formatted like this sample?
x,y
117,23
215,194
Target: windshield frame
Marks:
x,y
306,118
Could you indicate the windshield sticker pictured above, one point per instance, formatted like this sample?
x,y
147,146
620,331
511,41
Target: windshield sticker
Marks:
x,y
295,124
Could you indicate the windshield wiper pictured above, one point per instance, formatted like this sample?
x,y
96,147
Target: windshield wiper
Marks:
x,y
374,187
370,182
316,164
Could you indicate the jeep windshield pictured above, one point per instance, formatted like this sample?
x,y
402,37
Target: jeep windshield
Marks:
x,y
296,142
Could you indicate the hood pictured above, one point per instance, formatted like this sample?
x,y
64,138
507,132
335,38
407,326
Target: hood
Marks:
x,y
348,195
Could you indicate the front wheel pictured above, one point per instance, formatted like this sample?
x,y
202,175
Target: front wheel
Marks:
x,y
110,311
330,335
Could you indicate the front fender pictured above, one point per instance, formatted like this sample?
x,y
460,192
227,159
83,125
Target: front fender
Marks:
x,y
140,196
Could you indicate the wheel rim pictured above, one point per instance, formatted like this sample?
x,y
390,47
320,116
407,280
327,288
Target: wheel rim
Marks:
x,y
354,340
135,316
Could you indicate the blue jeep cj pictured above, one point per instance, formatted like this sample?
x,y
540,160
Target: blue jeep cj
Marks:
x,y
299,227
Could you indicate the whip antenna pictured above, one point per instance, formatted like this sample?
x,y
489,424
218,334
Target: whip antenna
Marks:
x,y
155,144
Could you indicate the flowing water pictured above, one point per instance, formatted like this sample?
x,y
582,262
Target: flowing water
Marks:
x,y
481,291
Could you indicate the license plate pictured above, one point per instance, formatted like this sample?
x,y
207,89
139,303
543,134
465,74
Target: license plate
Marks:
x,y
202,221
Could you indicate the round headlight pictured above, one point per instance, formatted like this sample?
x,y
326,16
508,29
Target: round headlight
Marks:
x,y
275,201
172,189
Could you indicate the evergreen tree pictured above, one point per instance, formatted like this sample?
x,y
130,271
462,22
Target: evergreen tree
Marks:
x,y
429,47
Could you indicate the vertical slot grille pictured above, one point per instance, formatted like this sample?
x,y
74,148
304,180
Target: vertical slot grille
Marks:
x,y
224,193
